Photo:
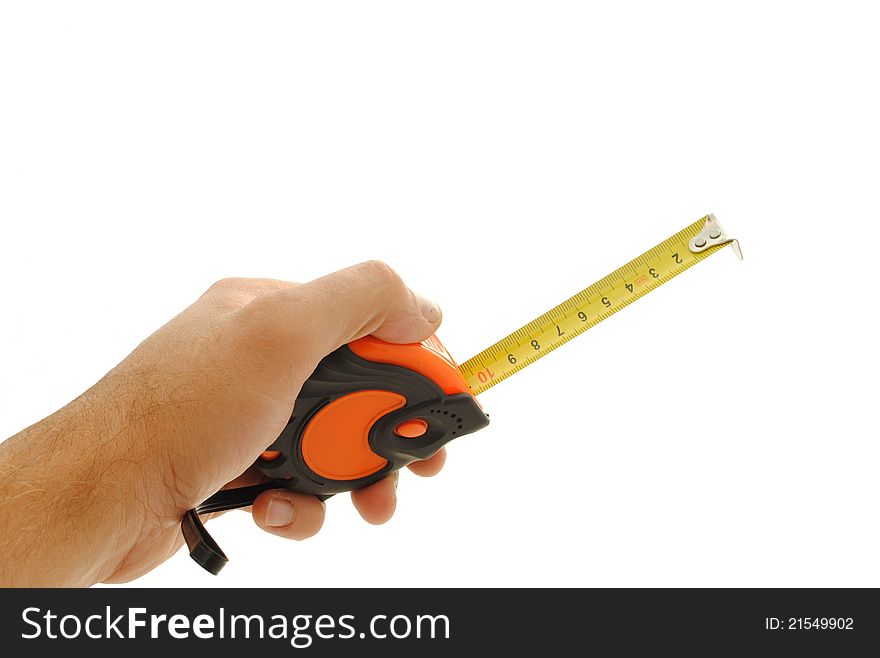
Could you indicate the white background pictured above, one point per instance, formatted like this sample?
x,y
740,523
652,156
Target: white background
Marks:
x,y
501,156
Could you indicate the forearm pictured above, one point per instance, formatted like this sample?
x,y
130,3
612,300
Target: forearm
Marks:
x,y
67,513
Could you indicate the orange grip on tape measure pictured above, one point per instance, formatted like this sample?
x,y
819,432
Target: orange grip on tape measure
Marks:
x,y
336,445
428,358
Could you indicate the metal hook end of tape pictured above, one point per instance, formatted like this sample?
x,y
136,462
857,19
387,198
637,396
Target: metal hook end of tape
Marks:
x,y
712,235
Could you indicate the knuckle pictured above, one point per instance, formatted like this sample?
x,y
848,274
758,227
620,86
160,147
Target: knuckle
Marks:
x,y
270,344
258,321
226,285
381,272
231,293
258,335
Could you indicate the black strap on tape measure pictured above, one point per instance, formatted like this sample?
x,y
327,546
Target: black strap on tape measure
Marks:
x,y
202,547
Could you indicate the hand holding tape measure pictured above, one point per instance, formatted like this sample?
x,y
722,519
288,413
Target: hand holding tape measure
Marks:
x,y
372,407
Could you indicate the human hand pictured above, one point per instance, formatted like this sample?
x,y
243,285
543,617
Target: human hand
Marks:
x,y
96,491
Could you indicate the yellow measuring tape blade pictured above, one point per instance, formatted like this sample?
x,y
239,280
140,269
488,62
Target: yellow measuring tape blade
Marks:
x,y
588,307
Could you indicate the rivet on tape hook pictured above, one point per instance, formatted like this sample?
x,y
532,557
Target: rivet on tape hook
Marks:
x,y
712,235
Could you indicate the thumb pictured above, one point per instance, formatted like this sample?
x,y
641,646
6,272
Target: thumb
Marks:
x,y
309,321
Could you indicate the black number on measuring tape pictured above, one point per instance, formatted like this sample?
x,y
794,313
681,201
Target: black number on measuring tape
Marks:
x,y
535,345
629,286
678,260
559,332
653,273
582,316
607,302
511,358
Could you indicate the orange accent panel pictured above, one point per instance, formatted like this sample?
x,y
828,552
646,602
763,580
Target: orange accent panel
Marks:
x,y
412,428
271,455
335,444
428,358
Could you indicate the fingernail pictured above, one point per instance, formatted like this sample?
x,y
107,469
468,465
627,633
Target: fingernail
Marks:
x,y
430,310
279,513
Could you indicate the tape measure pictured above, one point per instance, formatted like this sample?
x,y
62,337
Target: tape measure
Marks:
x,y
596,303
372,407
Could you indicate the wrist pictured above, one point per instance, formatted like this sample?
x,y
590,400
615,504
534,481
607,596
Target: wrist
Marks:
x,y
67,512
